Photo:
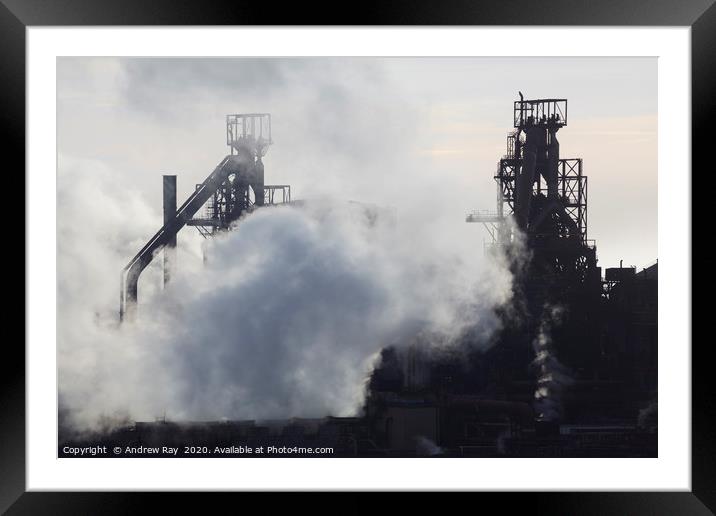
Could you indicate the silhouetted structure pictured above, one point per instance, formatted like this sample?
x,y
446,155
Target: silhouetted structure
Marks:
x,y
236,186
572,373
578,351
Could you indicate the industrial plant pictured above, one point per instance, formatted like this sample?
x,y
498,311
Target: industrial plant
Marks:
x,y
571,371
234,188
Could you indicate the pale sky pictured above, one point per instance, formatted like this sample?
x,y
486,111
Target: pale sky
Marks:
x,y
423,135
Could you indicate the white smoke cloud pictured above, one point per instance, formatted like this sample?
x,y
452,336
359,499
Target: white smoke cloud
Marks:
x,y
286,318
552,376
425,446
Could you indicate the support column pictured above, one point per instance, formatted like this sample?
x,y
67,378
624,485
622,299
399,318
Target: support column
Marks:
x,y
258,183
552,165
524,182
169,184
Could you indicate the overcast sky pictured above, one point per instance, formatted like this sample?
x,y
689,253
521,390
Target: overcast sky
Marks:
x,y
420,134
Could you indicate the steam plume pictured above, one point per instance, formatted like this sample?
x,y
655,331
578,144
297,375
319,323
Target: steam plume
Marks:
x,y
286,319
552,376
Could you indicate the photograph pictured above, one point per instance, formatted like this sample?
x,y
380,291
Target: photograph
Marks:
x,y
351,257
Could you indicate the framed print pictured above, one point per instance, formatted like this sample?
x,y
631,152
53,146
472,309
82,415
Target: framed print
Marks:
x,y
410,251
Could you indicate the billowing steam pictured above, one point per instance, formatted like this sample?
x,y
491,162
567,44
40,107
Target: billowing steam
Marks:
x,y
427,446
552,376
649,415
286,318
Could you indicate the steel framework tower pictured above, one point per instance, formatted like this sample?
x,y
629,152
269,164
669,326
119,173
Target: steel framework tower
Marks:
x,y
235,187
542,195
540,224
247,135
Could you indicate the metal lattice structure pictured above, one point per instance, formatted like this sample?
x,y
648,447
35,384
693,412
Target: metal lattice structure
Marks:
x,y
248,136
540,112
571,183
234,188
540,194
249,131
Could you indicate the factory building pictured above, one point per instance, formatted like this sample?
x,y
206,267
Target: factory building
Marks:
x,y
572,372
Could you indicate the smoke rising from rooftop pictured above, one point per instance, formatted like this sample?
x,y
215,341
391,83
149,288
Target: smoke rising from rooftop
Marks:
x,y
552,376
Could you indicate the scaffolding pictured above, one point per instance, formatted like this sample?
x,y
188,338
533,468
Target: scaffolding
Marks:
x,y
235,187
539,194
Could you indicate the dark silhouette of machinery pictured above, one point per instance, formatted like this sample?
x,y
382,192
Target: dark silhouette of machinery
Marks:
x,y
543,198
235,187
421,400
541,226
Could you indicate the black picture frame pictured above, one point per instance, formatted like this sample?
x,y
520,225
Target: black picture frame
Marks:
x,y
700,15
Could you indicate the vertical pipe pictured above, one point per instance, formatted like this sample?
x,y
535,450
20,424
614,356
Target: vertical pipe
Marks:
x,y
121,296
552,165
170,208
535,137
128,294
584,201
258,182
